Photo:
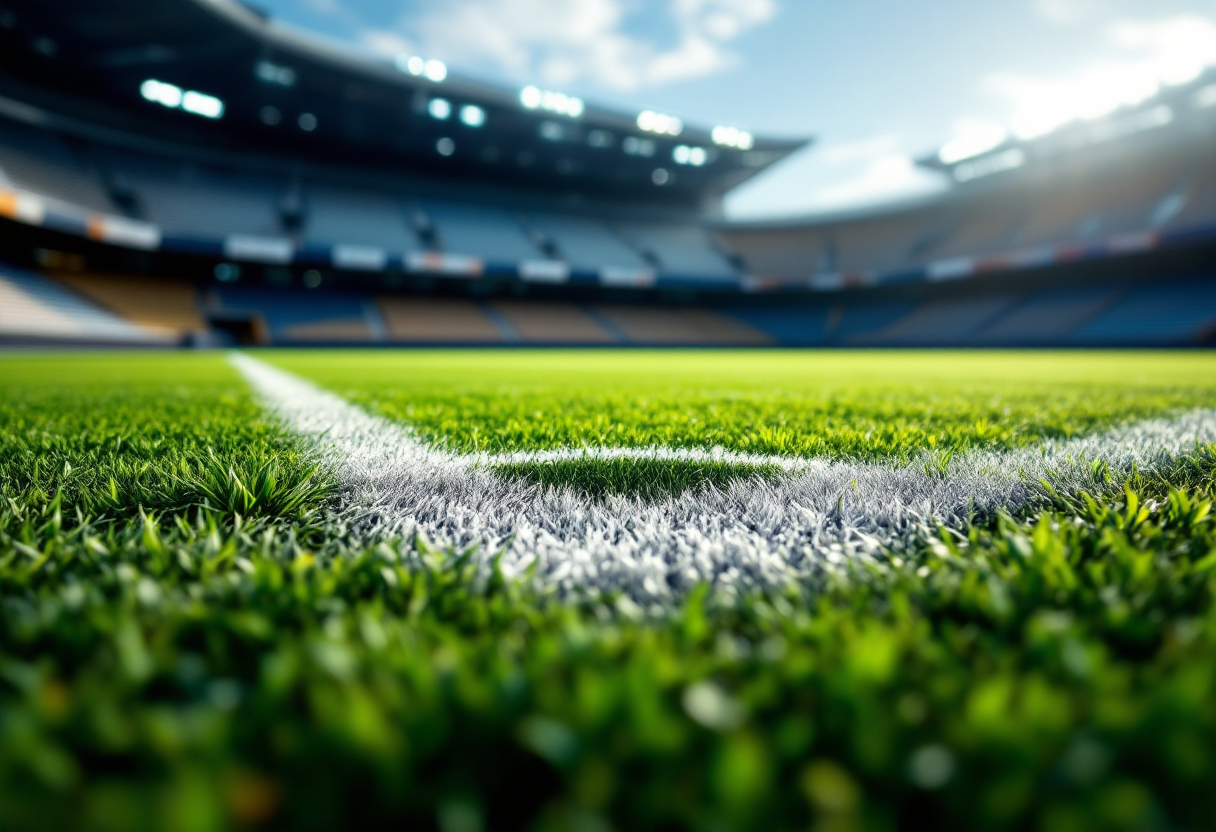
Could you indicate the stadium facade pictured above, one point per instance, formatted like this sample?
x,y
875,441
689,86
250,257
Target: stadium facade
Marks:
x,y
191,171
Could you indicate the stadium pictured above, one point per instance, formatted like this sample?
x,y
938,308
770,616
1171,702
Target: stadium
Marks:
x,y
918,535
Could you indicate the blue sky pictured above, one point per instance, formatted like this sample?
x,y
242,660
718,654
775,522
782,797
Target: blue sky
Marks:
x,y
879,82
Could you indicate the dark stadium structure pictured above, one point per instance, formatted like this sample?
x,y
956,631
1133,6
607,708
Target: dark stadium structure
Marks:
x,y
191,171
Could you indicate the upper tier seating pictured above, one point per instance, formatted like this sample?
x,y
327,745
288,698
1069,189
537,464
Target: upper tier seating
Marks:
x,y
492,234
684,250
41,162
587,243
349,216
200,202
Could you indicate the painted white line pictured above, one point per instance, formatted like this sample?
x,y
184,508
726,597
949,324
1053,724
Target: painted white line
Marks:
x,y
752,533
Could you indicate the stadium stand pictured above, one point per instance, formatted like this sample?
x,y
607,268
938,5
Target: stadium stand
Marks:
x,y
586,243
801,326
296,317
423,320
989,228
684,250
684,327
37,308
1170,314
552,323
198,201
457,212
1046,317
337,215
857,322
169,308
35,161
949,321
493,234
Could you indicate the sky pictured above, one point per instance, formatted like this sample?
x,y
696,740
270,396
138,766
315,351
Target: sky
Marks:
x,y
878,83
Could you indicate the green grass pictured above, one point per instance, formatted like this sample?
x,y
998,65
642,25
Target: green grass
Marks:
x,y
858,405
119,434
192,649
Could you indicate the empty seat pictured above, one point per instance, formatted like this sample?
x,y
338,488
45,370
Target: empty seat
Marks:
x,y
169,307
1047,317
40,162
297,316
337,216
853,321
794,326
947,321
35,306
1167,314
684,250
552,323
587,243
201,202
653,325
492,234
988,228
437,320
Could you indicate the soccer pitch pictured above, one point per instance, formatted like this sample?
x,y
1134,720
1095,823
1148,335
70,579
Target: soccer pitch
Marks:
x,y
481,590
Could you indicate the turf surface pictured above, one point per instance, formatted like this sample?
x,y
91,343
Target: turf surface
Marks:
x,y
857,405
188,643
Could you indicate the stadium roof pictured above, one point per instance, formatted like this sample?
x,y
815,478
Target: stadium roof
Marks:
x,y
218,72
1180,107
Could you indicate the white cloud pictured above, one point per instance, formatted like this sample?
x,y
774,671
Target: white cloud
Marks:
x,y
562,42
1152,54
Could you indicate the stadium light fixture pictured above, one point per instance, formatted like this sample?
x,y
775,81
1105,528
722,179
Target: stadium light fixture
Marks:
x,y
439,108
159,92
693,156
175,98
975,142
651,122
207,106
534,98
420,67
472,116
724,136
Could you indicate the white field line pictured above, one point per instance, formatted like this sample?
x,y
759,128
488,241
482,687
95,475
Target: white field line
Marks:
x,y
750,534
